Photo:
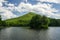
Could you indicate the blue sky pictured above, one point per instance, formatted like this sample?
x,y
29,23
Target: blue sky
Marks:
x,y
15,8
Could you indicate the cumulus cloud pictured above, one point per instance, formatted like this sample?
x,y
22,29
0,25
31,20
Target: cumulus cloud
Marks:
x,y
10,4
22,7
1,2
10,7
39,8
5,12
53,1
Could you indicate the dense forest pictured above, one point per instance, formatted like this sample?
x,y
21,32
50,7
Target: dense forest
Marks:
x,y
54,22
39,22
25,20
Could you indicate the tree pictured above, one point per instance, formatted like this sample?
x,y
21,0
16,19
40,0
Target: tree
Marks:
x,y
0,21
0,17
38,22
35,22
44,22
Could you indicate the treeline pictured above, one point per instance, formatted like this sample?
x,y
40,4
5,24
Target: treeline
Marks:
x,y
54,22
39,22
2,22
25,20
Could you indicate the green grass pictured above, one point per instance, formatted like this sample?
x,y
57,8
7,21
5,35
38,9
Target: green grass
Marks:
x,y
22,20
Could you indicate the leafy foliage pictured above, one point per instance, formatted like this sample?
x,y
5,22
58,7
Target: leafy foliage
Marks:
x,y
0,21
38,22
35,21
45,22
25,21
54,22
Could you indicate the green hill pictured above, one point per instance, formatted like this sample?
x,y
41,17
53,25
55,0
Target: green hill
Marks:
x,y
25,20
22,20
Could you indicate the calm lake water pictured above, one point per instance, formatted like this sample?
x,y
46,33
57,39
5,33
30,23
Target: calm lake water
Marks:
x,y
19,33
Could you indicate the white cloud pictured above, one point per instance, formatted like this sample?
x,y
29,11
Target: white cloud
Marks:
x,y
24,7
10,4
6,14
40,8
53,1
10,7
1,2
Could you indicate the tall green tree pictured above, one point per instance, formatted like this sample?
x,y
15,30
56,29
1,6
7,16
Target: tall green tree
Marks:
x,y
0,17
35,22
0,21
38,22
45,22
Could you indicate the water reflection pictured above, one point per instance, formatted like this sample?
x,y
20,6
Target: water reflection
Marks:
x,y
18,33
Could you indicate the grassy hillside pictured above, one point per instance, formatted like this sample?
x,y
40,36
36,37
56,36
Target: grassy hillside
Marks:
x,y
23,20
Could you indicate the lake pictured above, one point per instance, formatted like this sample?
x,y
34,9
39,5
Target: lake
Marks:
x,y
19,33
